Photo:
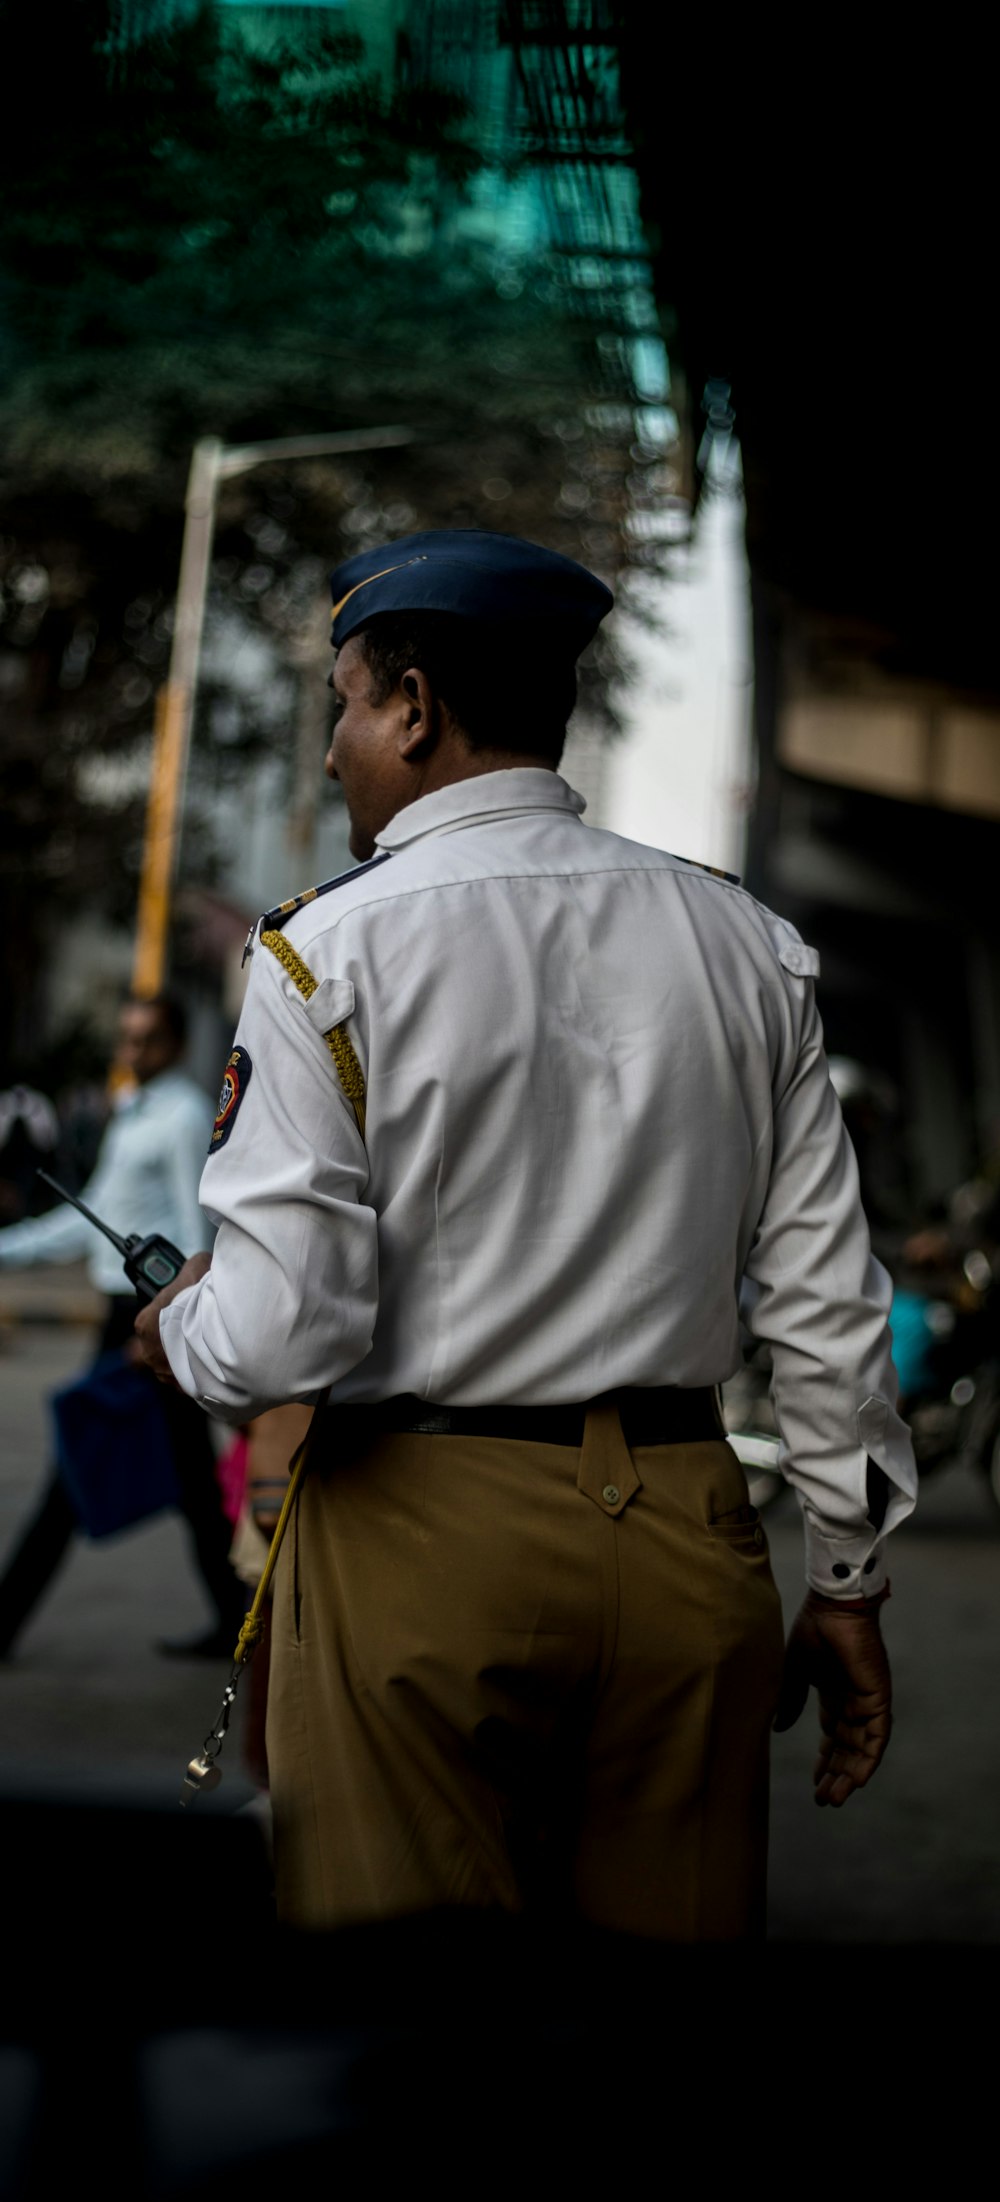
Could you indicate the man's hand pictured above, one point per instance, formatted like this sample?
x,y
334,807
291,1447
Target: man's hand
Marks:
x,y
147,1325
841,1653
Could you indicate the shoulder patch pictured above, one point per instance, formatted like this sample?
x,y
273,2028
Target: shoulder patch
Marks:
x,y
274,919
235,1080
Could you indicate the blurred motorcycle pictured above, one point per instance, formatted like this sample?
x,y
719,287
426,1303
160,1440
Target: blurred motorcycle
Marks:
x,y
946,1343
946,1347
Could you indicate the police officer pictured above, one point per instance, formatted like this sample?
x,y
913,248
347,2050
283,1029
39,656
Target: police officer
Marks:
x,y
521,1121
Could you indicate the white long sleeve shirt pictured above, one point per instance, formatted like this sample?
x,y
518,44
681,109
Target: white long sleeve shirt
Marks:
x,y
146,1179
599,1123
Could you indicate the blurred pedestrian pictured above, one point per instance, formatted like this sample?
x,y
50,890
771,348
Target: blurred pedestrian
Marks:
x,y
146,1180
519,1119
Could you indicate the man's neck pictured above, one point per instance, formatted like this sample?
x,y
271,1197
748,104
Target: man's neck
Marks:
x,y
453,760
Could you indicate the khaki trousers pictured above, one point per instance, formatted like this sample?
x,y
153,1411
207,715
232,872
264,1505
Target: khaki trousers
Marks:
x,y
526,1676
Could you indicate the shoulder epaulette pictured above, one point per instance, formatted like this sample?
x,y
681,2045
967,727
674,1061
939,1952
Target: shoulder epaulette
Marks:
x,y
273,920
714,871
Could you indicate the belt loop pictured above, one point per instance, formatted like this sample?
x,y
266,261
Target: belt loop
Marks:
x,y
607,1471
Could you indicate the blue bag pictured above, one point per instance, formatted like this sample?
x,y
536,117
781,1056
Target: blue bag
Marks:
x,y
113,1446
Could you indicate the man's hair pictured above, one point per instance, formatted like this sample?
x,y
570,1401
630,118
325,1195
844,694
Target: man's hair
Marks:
x,y
169,1008
527,711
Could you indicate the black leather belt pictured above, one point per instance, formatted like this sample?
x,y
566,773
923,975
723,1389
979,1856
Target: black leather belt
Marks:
x,y
665,1416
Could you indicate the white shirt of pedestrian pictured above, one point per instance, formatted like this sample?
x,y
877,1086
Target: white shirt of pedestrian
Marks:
x,y
145,1180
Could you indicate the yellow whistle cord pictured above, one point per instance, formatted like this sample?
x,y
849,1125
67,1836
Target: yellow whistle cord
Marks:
x,y
203,1770
253,1627
352,1080
349,1071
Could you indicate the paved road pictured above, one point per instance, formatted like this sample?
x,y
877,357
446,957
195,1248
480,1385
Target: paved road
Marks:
x,y
88,1706
86,1703
916,1857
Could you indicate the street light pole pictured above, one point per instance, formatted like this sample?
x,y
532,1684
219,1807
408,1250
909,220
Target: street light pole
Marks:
x,y
211,463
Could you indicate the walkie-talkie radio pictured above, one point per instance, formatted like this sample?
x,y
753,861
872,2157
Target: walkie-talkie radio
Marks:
x,y
150,1264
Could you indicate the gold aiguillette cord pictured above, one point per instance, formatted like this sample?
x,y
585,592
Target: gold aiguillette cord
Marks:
x,y
203,1773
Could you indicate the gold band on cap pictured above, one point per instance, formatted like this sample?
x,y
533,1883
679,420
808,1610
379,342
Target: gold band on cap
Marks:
x,y
370,577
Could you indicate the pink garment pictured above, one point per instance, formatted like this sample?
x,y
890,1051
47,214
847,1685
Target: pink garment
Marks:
x,y
231,1475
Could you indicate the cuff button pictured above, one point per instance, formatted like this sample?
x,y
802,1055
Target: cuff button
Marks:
x,y
841,1570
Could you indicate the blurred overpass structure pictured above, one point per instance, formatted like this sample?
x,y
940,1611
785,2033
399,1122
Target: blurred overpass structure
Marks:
x,y
818,209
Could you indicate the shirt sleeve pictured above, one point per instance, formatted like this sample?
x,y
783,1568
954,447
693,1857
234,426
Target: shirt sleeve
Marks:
x,y
813,1291
187,1156
289,1304
62,1235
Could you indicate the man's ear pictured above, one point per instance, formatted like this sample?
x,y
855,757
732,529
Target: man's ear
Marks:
x,y
420,718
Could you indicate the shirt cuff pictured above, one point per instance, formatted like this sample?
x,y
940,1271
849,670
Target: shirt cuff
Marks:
x,y
190,1368
174,1343
844,1567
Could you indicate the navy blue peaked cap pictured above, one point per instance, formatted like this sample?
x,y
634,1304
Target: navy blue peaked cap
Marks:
x,y
476,575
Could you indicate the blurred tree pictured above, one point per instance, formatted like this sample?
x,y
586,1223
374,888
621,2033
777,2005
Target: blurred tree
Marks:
x,y
203,235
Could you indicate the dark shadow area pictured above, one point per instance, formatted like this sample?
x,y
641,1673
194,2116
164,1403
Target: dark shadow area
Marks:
x,y
161,2034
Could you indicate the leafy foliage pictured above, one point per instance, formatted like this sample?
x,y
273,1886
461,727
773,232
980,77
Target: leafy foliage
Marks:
x,y
203,235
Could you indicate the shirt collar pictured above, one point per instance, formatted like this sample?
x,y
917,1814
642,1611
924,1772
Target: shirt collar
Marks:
x,y
485,795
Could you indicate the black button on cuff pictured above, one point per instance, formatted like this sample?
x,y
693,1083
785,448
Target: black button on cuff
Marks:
x,y
870,1564
841,1570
